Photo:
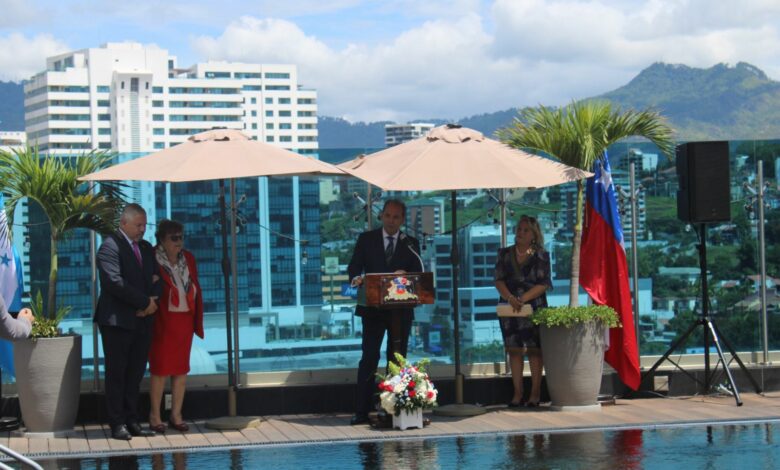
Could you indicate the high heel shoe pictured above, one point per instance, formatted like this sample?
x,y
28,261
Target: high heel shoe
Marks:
x,y
158,428
181,427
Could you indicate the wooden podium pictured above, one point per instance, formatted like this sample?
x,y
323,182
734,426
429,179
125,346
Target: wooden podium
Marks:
x,y
389,290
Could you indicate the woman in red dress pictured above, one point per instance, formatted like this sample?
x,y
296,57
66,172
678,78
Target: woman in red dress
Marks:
x,y
180,315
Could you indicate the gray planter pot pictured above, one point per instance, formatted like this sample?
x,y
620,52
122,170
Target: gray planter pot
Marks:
x,y
573,363
48,379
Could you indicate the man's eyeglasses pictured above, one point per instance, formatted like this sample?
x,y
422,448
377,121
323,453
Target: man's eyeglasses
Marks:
x,y
176,238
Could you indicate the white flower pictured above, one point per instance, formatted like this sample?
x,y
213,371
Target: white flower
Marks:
x,y
387,401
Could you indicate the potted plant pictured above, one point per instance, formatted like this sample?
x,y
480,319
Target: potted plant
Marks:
x,y
48,365
406,391
573,342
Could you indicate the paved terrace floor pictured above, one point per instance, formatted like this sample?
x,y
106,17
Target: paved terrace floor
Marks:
x,y
93,440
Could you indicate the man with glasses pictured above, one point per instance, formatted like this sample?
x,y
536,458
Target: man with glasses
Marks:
x,y
128,299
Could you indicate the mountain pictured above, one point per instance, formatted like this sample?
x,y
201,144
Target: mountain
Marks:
x,y
11,106
721,102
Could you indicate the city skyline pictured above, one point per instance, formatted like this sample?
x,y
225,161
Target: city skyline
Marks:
x,y
447,59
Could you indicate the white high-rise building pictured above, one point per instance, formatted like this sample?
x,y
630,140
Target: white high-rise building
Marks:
x,y
135,99
399,133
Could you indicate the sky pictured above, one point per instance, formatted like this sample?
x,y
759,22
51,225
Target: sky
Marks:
x,y
402,60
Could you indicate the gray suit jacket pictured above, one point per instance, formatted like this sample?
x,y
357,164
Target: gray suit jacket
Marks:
x,y
12,328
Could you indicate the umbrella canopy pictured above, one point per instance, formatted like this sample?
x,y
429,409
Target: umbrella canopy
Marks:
x,y
451,158
213,155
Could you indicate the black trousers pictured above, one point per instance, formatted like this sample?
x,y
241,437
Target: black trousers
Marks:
x,y
125,355
375,323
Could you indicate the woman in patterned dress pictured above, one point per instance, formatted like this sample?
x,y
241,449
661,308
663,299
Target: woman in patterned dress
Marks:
x,y
522,277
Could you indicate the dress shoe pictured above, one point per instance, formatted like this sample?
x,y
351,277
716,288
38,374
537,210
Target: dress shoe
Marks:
x,y
359,418
181,427
135,429
120,433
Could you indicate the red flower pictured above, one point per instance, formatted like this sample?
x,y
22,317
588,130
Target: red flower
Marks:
x,y
430,395
412,384
412,393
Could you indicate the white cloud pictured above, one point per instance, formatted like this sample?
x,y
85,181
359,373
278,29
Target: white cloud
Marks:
x,y
22,56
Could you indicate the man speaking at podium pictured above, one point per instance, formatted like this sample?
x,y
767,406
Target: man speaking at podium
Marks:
x,y
384,250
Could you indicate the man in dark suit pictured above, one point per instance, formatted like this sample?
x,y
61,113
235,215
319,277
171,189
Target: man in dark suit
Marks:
x,y
384,250
127,265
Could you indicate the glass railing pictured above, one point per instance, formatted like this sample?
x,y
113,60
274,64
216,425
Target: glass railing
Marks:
x,y
293,315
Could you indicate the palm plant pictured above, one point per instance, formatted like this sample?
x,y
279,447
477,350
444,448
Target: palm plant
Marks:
x,y
578,135
53,183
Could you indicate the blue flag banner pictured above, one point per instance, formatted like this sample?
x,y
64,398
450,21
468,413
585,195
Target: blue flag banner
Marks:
x,y
11,281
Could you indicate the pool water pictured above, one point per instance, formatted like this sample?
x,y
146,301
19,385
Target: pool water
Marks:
x,y
728,446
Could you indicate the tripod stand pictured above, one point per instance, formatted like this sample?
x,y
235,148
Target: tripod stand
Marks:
x,y
710,329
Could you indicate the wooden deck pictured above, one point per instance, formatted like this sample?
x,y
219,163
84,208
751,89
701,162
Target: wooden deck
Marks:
x,y
93,440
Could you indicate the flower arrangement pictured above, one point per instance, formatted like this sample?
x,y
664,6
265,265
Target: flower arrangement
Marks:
x,y
406,387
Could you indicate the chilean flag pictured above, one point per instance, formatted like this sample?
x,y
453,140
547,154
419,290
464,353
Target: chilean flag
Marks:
x,y
604,271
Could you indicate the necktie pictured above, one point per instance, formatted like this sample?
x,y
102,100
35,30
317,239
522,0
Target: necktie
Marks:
x,y
137,252
389,249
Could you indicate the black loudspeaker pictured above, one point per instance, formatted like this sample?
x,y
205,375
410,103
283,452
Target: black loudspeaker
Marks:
x,y
703,172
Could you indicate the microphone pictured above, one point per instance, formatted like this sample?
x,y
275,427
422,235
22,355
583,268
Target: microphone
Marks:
x,y
402,238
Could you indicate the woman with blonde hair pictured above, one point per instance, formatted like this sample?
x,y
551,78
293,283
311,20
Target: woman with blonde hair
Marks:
x,y
522,277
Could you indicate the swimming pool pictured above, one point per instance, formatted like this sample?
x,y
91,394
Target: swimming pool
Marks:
x,y
751,445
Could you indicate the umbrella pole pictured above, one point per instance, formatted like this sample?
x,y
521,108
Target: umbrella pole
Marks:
x,y
226,278
458,408
232,421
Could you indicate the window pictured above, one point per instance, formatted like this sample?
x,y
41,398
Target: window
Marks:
x,y
104,145
269,138
103,89
285,113
307,101
254,113
254,125
285,138
306,113
269,113
157,89
285,125
277,87
104,103
158,131
159,145
217,74
269,125
246,75
252,88
284,100
104,131
269,101
158,103
307,126
104,117
158,117
307,138
277,75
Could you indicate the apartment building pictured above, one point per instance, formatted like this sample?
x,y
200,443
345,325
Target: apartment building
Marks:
x,y
134,99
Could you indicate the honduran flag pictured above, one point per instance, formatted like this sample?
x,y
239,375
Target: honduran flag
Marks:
x,y
604,271
11,280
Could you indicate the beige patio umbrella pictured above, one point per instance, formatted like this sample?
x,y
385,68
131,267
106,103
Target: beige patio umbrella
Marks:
x,y
452,157
213,155
218,154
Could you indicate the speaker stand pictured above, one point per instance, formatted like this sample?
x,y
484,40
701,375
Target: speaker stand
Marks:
x,y
710,329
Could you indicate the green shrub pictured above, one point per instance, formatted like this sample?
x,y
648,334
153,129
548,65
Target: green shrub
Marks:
x,y
568,316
